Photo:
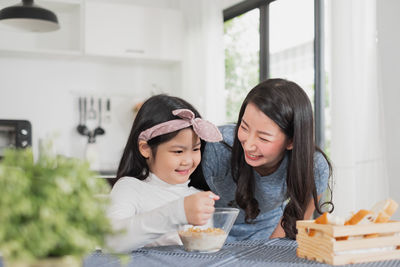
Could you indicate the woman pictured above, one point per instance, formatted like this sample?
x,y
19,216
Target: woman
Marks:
x,y
268,164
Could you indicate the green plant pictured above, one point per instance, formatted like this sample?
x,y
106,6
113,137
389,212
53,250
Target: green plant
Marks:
x,y
48,208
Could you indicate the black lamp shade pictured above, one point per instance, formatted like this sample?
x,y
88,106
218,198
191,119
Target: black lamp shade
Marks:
x,y
29,17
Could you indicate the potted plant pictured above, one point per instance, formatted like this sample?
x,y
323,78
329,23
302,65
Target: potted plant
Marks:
x,y
49,210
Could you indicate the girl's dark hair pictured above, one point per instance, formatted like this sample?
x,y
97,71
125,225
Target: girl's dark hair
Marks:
x,y
155,110
290,108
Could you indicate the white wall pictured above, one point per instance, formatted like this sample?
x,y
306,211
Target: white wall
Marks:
x,y
389,57
203,70
45,91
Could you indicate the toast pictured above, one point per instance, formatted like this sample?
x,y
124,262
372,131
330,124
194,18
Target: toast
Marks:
x,y
361,217
383,210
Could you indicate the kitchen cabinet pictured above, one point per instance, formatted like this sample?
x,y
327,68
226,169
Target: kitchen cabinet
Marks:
x,y
66,40
125,30
111,29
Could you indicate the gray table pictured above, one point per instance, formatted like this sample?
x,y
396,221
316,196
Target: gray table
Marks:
x,y
275,252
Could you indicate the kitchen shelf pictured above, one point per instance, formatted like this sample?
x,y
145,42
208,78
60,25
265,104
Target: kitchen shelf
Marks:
x,y
120,29
116,30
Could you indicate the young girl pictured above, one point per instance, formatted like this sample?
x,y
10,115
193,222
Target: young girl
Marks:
x,y
152,196
268,164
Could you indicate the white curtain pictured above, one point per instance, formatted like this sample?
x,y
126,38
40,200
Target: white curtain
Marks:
x,y
203,71
389,64
357,148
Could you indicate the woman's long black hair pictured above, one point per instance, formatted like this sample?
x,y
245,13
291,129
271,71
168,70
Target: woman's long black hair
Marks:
x,y
290,108
155,110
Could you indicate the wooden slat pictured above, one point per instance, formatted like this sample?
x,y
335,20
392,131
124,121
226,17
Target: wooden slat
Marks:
x,y
310,224
375,228
348,230
385,241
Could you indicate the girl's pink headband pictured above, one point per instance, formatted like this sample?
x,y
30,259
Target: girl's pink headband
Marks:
x,y
204,129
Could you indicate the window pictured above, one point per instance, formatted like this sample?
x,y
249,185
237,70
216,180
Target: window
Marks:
x,y
242,50
292,42
268,39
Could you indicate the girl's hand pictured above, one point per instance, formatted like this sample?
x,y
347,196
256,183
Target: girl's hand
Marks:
x,y
199,207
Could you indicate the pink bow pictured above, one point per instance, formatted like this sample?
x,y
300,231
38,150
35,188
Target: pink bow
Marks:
x,y
204,129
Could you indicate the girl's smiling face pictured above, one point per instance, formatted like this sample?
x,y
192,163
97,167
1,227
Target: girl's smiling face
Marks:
x,y
263,142
176,159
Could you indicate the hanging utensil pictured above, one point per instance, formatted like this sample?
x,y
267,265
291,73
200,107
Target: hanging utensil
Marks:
x,y
92,111
99,130
107,115
82,129
84,110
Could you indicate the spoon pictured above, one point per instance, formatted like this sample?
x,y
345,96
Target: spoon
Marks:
x,y
82,129
99,130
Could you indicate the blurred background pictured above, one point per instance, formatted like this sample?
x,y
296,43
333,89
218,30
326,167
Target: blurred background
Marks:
x,y
109,56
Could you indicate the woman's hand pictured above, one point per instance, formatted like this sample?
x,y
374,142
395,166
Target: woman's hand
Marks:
x,y
199,207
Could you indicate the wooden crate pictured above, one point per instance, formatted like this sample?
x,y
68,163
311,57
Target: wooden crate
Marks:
x,y
365,243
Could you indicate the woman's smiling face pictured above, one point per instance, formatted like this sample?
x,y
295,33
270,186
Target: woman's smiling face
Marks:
x,y
263,142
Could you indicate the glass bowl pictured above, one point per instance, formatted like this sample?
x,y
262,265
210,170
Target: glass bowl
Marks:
x,y
210,237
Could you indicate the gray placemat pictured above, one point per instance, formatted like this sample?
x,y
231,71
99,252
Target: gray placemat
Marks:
x,y
274,253
99,259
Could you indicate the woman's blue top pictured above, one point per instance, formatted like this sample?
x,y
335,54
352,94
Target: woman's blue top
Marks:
x,y
270,190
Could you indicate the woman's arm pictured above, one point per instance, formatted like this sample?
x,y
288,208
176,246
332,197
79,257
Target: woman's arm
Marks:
x,y
279,232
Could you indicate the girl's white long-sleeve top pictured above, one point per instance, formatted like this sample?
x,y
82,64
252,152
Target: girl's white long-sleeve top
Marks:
x,y
147,212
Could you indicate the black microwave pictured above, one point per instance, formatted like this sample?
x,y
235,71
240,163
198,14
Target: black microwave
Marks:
x,y
15,134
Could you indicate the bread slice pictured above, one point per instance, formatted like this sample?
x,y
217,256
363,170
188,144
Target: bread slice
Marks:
x,y
383,210
361,217
323,219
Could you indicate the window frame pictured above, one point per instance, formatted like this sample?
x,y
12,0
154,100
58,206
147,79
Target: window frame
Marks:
x,y
319,72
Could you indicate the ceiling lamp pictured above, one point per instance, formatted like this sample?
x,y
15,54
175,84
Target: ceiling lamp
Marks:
x,y
27,16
